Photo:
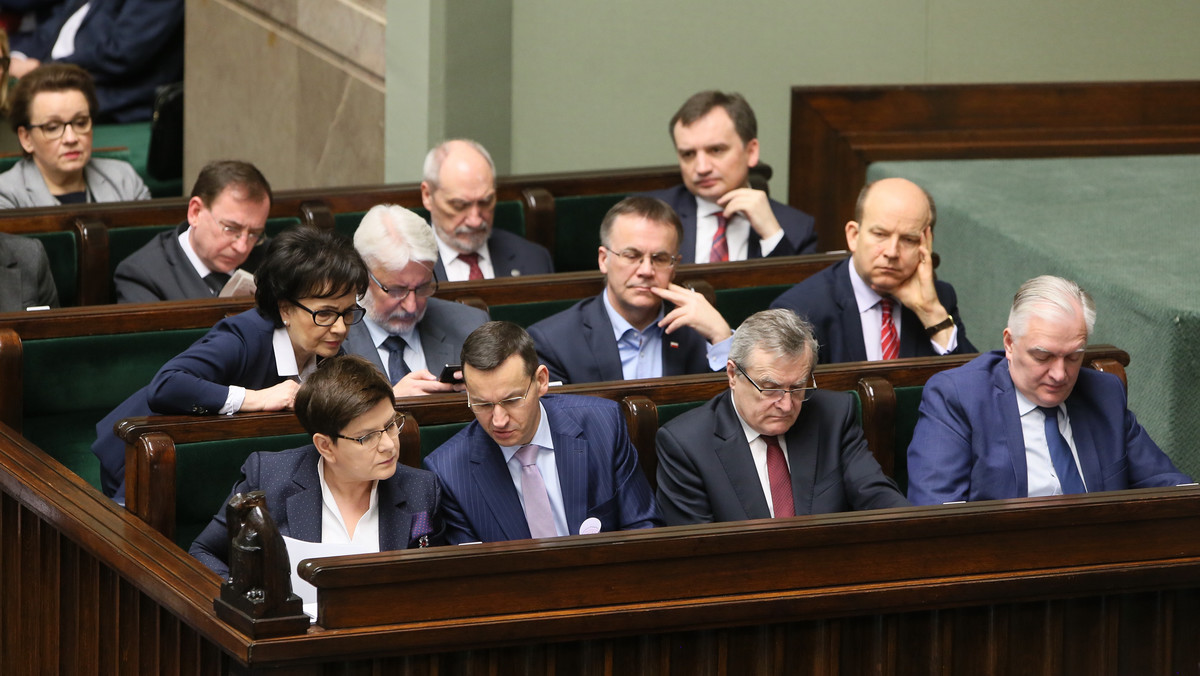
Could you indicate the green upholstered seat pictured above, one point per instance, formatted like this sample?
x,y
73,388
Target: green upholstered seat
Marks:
x,y
527,314
135,136
735,305
62,250
577,229
510,216
433,436
908,402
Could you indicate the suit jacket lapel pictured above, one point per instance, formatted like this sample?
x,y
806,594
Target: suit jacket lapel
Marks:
x,y
1086,446
504,260
495,484
685,206
674,353
395,522
433,344
1005,401
439,270
11,291
306,500
191,284
358,341
803,444
734,454
849,318
598,335
570,457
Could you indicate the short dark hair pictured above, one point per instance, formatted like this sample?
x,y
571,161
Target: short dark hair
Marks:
x,y
493,343
341,389
698,105
650,208
50,77
306,262
218,175
866,189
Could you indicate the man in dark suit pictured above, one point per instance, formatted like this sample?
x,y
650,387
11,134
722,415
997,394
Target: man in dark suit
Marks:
x,y
724,219
883,302
533,465
773,445
1029,421
407,335
459,190
226,218
628,331
25,279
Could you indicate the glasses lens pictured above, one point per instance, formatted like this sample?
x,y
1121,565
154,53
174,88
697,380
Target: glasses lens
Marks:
x,y
354,315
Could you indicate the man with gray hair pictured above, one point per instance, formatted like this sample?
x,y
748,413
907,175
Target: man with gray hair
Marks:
x,y
1028,421
406,334
459,190
773,445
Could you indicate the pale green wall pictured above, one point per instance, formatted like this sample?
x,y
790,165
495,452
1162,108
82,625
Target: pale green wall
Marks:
x,y
594,83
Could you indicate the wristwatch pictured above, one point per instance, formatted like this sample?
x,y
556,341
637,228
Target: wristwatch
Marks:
x,y
946,323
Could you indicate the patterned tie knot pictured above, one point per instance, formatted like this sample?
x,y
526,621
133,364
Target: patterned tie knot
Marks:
x,y
394,344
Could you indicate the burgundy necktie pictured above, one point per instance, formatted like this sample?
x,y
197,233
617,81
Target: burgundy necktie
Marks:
x,y
533,492
887,332
472,260
780,479
720,247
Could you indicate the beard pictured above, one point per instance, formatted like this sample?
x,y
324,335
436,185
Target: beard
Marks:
x,y
395,322
469,240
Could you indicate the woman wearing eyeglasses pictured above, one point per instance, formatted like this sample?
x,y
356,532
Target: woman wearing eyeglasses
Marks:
x,y
308,286
51,111
347,486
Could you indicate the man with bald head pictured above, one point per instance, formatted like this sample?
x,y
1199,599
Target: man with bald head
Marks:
x,y
883,302
459,190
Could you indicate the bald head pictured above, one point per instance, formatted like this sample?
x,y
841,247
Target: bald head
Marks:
x,y
885,235
459,191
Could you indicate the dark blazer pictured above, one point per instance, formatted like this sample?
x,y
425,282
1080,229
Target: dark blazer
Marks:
x,y
237,351
293,488
706,472
827,300
968,443
129,46
512,256
577,346
798,234
160,270
25,279
443,329
597,470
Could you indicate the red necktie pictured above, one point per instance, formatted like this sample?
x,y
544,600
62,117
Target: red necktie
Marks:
x,y
780,479
472,259
720,248
887,332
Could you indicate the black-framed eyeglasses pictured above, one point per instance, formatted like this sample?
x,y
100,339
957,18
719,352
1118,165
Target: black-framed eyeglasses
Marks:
x,y
370,440
661,260
54,128
488,406
776,393
401,292
328,317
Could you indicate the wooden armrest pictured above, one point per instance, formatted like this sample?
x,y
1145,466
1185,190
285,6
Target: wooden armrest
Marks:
x,y
703,288
1112,366
878,399
410,441
150,481
12,382
316,213
94,280
641,417
540,216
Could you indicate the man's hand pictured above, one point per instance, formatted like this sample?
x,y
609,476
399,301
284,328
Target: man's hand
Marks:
x,y
755,206
692,309
279,397
919,294
19,68
420,383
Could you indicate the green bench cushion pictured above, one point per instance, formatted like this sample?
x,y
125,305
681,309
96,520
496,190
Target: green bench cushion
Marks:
x,y
735,305
510,216
908,402
577,229
526,314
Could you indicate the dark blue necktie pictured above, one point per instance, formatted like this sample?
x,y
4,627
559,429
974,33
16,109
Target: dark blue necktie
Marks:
x,y
397,369
1060,454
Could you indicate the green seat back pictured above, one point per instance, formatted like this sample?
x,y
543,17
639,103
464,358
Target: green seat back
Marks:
x,y
526,314
123,242
62,250
908,402
277,225
510,216
577,233
735,305
433,436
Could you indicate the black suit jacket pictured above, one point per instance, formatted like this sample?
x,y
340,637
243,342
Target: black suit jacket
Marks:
x,y
706,472
160,270
25,279
577,346
798,234
512,256
827,300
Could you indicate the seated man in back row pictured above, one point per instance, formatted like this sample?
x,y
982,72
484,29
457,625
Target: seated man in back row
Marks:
x,y
883,302
1029,421
628,331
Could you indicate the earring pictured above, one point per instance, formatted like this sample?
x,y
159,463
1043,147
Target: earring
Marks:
x,y
287,323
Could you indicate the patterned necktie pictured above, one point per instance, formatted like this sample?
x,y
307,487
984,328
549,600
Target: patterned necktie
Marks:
x,y
397,369
472,260
887,332
216,281
1060,454
780,479
533,489
720,247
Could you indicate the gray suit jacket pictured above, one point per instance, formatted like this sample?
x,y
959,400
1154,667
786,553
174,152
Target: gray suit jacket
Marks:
x,y
160,270
512,256
108,180
25,279
443,329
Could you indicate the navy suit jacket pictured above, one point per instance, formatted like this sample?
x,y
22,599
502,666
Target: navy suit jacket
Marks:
x,y
798,234
577,346
598,473
706,472
827,300
293,488
129,46
968,443
512,256
160,270
443,329
237,351
25,279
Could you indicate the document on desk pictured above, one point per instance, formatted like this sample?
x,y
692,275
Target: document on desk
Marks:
x,y
298,550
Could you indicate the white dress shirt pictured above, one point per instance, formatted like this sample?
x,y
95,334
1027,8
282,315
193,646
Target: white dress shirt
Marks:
x,y
1043,480
758,452
414,356
458,270
737,233
334,530
870,315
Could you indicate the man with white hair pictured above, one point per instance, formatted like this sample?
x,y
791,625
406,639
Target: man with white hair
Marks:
x,y
459,190
406,334
1028,421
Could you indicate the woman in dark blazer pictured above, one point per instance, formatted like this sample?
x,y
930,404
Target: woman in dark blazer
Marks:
x,y
308,286
345,487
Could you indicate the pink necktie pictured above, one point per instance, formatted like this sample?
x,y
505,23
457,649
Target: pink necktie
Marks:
x,y
720,248
533,488
887,332
780,479
472,260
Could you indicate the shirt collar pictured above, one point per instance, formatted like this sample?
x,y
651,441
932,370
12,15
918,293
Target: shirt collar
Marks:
x,y
185,242
864,296
449,253
541,437
380,334
620,326
327,495
285,357
1024,405
750,432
